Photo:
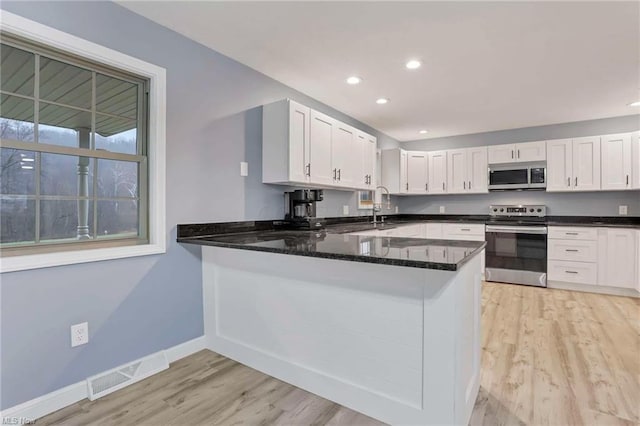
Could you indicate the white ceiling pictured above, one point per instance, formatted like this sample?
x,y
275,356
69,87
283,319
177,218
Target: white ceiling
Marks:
x,y
486,65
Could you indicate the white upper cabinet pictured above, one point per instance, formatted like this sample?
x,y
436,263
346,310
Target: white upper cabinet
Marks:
x,y
467,170
635,160
531,151
321,136
304,147
477,170
559,165
502,154
394,170
457,171
616,161
364,177
518,152
286,154
437,171
586,163
417,166
573,164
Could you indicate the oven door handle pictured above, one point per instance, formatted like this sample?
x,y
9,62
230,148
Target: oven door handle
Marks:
x,y
538,230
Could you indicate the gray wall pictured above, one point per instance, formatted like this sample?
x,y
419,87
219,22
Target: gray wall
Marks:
x,y
582,203
140,305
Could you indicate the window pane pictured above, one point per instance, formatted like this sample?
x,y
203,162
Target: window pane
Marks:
x,y
116,97
17,220
16,118
116,134
59,219
64,126
59,175
117,218
17,171
64,83
18,70
117,179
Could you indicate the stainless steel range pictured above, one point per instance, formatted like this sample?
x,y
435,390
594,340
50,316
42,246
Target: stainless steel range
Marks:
x,y
516,251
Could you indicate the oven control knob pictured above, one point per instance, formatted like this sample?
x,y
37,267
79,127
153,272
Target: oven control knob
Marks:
x,y
531,210
539,210
501,210
495,210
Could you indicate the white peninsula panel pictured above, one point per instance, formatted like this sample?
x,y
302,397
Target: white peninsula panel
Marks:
x,y
400,344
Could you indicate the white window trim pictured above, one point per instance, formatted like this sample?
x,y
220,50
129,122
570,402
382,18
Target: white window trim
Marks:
x,y
156,155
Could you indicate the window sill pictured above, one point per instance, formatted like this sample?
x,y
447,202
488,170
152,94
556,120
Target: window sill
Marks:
x,y
37,261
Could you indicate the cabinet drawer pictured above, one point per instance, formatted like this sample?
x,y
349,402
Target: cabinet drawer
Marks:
x,y
573,233
573,272
461,229
576,250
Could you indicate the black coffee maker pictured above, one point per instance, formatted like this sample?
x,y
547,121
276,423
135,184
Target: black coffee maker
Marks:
x,y
301,213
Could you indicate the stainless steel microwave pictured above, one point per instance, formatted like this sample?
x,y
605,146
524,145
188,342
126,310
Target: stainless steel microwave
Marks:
x,y
517,176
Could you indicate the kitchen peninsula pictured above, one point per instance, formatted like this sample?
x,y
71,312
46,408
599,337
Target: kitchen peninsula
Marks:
x,y
387,326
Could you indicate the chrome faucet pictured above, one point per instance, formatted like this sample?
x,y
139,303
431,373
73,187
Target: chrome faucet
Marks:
x,y
378,207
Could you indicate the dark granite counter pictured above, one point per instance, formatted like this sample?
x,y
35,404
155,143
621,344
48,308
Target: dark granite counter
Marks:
x,y
418,253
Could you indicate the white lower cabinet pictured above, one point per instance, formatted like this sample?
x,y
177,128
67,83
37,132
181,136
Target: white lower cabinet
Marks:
x,y
618,258
608,259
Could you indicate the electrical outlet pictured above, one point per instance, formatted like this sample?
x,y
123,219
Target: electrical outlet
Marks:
x,y
79,334
244,168
397,209
441,209
622,210
345,210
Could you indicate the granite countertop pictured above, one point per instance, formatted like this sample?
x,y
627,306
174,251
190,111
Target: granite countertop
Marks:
x,y
334,242
412,252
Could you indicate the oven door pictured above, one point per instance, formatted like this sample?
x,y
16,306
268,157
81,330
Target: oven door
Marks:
x,y
517,254
514,178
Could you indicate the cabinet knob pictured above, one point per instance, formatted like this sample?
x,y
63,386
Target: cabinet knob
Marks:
x,y
569,181
576,180
627,179
464,185
426,186
335,171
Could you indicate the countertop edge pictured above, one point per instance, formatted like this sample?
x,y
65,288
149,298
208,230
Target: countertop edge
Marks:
x,y
339,256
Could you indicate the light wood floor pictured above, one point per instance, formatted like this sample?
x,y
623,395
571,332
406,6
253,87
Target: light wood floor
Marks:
x,y
550,357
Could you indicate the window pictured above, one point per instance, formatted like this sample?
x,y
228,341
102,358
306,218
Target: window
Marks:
x,y
81,152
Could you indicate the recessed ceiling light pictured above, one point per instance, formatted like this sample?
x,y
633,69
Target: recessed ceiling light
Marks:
x,y
382,101
413,64
354,80
636,103
422,132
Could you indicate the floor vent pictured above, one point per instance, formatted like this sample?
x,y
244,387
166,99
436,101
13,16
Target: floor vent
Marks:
x,y
125,375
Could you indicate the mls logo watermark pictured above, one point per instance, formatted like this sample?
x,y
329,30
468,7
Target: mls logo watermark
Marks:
x,y
18,421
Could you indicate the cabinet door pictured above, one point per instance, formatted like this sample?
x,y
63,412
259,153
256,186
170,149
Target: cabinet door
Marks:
x,y
502,154
298,142
360,170
586,164
559,165
369,161
417,172
457,171
320,139
477,170
635,160
621,259
344,159
616,161
434,231
531,151
437,171
404,184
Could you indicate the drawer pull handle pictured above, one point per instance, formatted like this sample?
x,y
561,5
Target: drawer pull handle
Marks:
x,y
571,250
571,272
465,229
571,233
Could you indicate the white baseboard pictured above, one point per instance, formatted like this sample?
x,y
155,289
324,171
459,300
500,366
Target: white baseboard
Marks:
x,y
612,291
185,349
38,407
